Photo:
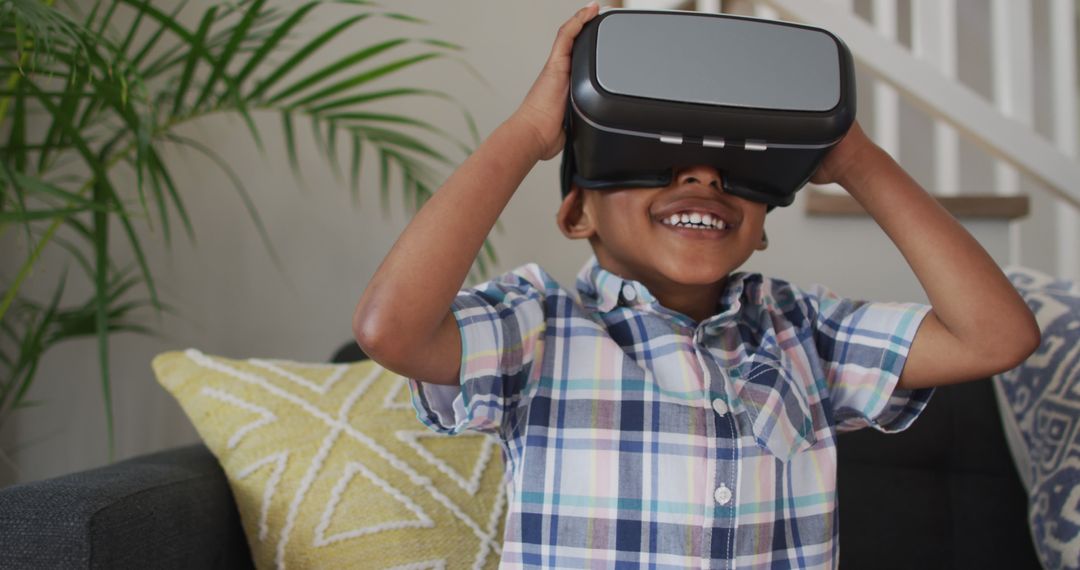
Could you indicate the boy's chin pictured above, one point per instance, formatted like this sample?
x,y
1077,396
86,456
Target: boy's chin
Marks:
x,y
669,267
697,274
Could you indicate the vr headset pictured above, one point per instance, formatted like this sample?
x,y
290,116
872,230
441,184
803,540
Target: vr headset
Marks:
x,y
653,91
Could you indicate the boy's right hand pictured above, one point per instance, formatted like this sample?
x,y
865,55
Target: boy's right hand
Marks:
x,y
404,319
544,106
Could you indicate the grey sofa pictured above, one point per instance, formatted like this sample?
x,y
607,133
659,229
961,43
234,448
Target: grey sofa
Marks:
x,y
171,509
942,494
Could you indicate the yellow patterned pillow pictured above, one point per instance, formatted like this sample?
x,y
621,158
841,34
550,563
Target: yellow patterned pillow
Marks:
x,y
331,469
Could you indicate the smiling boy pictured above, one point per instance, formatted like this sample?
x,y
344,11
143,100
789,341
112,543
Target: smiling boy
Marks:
x,y
677,413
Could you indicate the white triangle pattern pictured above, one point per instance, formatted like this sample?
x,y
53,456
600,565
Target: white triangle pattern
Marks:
x,y
493,526
337,371
425,565
489,542
280,460
422,520
265,415
470,485
389,402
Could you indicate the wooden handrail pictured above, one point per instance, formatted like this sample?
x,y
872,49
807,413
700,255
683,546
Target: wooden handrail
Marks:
x,y
970,206
944,99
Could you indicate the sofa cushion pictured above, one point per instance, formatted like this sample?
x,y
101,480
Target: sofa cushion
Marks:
x,y
942,494
167,510
331,469
1041,414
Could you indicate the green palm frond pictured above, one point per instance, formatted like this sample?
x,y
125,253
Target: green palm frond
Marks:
x,y
100,95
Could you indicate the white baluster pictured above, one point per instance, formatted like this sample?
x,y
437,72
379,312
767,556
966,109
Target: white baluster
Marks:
x,y
886,100
1063,72
709,6
652,4
1011,41
765,12
933,31
972,114
849,7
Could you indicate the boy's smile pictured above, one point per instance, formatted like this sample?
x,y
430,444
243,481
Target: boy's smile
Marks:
x,y
680,241
698,218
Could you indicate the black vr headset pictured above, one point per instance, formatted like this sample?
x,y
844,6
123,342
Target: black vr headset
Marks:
x,y
653,91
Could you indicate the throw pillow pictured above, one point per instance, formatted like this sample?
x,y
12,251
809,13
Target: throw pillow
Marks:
x,y
1040,405
331,469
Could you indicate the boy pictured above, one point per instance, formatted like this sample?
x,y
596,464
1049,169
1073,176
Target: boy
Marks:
x,y
680,414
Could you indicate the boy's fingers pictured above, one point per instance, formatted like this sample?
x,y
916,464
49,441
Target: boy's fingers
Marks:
x,y
572,27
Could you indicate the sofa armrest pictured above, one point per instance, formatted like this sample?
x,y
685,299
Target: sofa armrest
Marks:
x,y
170,509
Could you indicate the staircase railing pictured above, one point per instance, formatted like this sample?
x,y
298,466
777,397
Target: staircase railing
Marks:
x,y
924,72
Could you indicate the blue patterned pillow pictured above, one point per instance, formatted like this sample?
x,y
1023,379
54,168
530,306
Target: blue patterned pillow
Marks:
x,y
1040,407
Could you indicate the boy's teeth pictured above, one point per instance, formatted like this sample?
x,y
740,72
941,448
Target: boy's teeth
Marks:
x,y
695,220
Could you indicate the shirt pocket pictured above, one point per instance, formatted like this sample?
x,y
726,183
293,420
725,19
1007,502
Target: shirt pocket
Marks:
x,y
776,404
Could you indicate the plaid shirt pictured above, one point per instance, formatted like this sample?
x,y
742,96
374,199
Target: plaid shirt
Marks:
x,y
635,436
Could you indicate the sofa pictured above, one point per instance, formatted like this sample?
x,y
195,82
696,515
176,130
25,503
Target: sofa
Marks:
x,y
942,494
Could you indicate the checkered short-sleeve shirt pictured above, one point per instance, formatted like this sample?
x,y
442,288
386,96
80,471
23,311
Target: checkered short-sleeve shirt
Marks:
x,y
635,436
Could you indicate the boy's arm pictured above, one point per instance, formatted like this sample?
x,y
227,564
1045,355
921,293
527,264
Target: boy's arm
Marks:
x,y
979,325
403,319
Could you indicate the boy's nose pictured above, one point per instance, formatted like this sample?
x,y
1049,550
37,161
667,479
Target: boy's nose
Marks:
x,y
700,173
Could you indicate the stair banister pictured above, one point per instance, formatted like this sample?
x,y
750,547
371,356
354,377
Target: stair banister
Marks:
x,y
944,99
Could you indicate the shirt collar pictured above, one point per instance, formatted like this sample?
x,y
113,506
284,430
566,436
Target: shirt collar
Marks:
x,y
731,300
603,290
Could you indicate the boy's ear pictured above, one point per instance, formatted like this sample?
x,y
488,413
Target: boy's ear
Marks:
x,y
572,218
764,241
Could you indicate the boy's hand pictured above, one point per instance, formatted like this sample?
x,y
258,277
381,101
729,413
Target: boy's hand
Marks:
x,y
404,319
545,104
841,160
979,325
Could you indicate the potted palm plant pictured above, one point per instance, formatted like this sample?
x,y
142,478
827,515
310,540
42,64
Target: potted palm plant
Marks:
x,y
79,93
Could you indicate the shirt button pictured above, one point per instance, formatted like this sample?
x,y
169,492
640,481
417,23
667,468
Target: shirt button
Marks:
x,y
722,494
628,292
720,407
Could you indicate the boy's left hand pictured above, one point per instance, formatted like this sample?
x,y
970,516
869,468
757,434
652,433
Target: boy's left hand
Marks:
x,y
979,325
842,158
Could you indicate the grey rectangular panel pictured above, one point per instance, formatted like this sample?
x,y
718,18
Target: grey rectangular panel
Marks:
x,y
718,61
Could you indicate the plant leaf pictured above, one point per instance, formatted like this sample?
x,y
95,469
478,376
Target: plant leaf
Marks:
x,y
290,141
302,54
198,46
244,196
376,96
100,176
266,47
164,23
366,77
102,192
236,36
396,138
402,120
334,67
159,167
32,215
354,171
39,186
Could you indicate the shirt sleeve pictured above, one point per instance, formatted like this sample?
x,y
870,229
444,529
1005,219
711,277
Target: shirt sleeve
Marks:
x,y
502,326
863,346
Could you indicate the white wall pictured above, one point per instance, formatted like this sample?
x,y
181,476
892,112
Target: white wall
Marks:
x,y
234,302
